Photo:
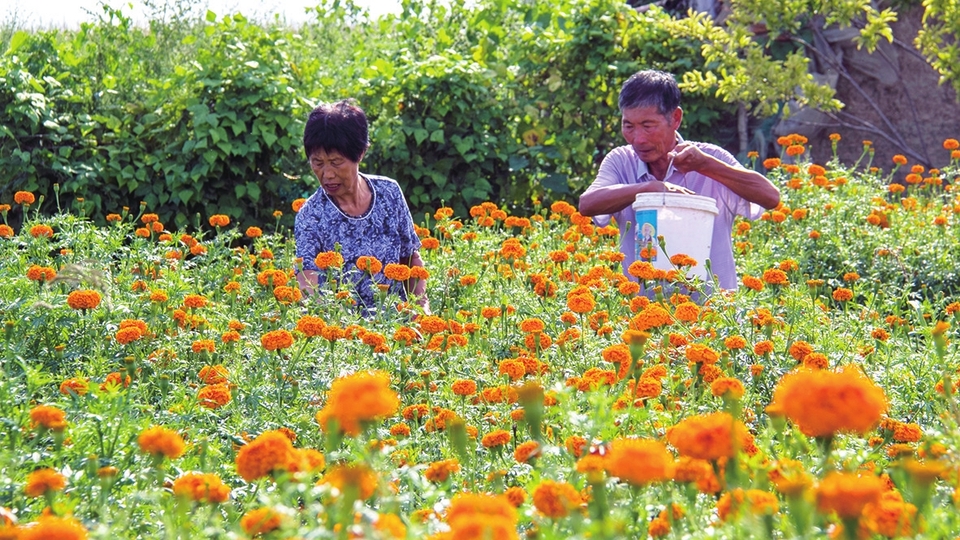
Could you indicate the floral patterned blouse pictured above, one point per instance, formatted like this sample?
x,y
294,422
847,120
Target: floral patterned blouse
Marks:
x,y
384,231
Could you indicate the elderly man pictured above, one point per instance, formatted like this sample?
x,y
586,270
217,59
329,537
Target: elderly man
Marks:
x,y
657,159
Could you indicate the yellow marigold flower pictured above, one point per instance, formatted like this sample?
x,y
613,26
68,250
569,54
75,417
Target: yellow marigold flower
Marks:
x,y
219,220
41,481
556,499
160,441
49,527
83,299
201,487
639,461
823,403
277,340
356,399
847,494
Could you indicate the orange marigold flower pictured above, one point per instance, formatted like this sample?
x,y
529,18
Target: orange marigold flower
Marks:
x,y
355,399
900,159
847,494
775,276
213,374
24,197
735,342
475,515
271,451
254,232
556,499
201,487
795,150
311,326
652,316
128,335
495,439
49,527
203,345
369,264
38,231
41,273
754,501
516,495
687,312
752,282
700,353
219,220
439,471
430,243
328,259
276,340
195,301
355,476
842,294
639,461
526,450
397,272
729,387
823,403
77,386
464,387
214,396
890,517
83,299
771,163
272,278
41,481
261,521
160,441
951,144
708,436
48,417
6,231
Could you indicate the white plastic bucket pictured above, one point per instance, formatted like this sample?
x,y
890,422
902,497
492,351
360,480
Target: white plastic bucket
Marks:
x,y
684,221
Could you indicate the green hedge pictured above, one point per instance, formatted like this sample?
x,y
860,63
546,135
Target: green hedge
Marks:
x,y
492,102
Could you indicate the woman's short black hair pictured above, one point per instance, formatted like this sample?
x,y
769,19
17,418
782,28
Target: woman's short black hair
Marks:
x,y
650,88
340,126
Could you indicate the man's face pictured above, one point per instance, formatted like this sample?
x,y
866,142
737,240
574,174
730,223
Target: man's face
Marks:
x,y
650,133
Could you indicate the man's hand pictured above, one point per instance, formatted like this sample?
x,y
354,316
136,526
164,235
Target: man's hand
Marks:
x,y
686,157
672,188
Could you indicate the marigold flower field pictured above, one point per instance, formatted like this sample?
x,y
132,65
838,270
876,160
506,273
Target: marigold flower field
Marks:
x,y
176,384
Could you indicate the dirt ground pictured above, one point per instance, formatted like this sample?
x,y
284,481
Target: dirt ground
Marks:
x,y
922,111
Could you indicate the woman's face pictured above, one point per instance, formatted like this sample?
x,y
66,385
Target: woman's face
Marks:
x,y
338,175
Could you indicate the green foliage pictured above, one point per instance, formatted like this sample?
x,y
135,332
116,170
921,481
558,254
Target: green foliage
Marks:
x,y
939,40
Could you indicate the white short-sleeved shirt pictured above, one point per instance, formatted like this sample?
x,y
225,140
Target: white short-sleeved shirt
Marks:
x,y
623,166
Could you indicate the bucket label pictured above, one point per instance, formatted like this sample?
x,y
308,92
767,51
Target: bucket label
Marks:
x,y
646,244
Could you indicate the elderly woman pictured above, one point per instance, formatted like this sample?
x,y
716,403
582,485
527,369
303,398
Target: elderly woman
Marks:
x,y
365,214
